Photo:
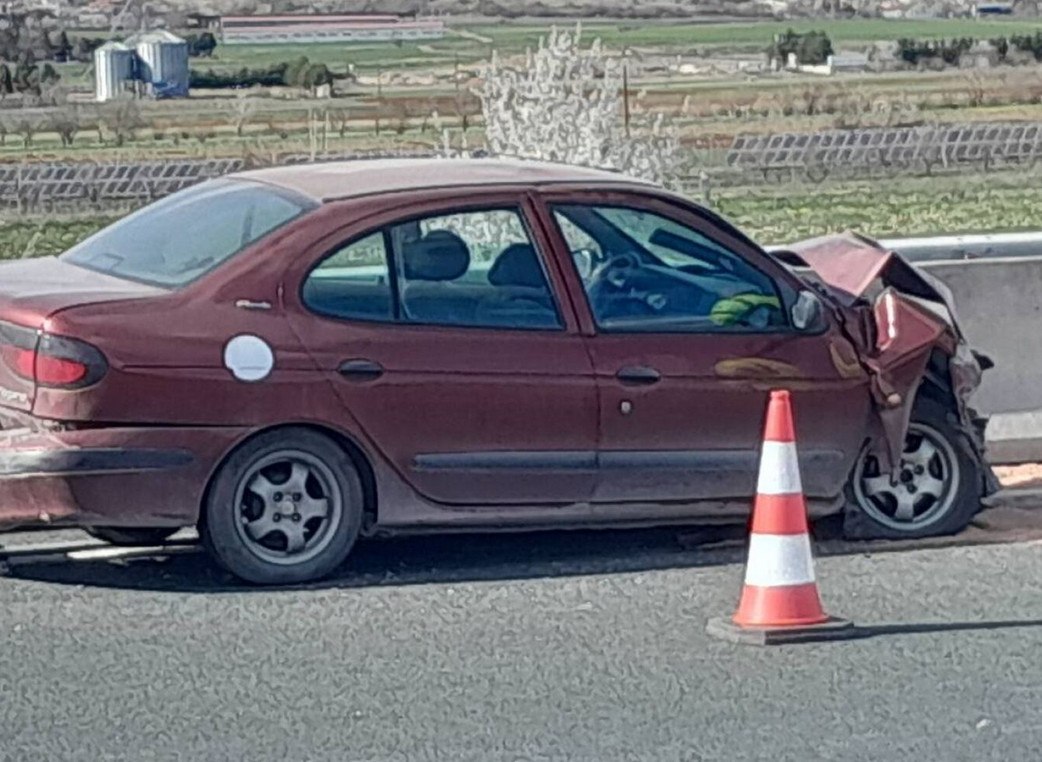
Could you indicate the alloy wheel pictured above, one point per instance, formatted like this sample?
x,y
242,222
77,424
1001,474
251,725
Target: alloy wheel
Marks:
x,y
287,507
920,491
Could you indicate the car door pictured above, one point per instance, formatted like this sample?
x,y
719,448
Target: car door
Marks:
x,y
441,327
689,329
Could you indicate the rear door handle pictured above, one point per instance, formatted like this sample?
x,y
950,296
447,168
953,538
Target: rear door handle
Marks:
x,y
361,370
638,374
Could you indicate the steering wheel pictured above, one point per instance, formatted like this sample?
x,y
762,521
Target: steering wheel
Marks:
x,y
615,270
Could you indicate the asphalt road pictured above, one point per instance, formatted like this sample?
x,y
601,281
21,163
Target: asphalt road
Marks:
x,y
585,646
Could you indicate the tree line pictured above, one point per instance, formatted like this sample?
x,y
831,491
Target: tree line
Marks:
x,y
300,72
951,51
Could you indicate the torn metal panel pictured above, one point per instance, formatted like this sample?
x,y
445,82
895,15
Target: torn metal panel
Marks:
x,y
912,314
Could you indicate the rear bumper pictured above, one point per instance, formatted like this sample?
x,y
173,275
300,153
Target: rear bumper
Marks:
x,y
108,476
84,462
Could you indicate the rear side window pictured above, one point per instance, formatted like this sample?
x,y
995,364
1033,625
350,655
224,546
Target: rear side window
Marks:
x,y
475,269
184,236
353,283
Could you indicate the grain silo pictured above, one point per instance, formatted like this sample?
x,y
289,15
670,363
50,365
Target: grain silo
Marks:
x,y
114,65
162,63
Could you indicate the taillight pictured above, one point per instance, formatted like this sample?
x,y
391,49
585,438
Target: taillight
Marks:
x,y
48,360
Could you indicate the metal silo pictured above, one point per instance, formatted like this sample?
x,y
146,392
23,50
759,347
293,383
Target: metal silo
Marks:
x,y
163,63
113,70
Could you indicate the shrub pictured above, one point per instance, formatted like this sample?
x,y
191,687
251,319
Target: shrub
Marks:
x,y
811,48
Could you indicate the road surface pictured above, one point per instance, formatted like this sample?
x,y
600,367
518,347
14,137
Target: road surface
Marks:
x,y
586,646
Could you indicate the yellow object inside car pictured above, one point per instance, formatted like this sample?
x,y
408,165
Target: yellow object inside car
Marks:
x,y
735,309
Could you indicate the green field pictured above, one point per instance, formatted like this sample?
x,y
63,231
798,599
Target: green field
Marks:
x,y
911,206
665,37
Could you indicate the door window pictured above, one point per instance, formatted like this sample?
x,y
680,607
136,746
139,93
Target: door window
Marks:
x,y
353,283
473,268
646,272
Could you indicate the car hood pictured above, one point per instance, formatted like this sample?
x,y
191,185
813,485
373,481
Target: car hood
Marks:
x,y
898,316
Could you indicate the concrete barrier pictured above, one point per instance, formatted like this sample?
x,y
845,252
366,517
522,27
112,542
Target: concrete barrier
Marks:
x,y
996,280
999,305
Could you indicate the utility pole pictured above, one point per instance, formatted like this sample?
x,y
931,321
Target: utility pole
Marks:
x,y
626,97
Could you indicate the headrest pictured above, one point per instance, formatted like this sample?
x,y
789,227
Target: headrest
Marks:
x,y
439,255
518,265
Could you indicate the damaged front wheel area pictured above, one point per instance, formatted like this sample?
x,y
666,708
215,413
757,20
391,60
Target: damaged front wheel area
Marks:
x,y
935,489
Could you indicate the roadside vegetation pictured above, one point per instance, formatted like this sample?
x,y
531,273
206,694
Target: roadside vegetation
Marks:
x,y
680,86
911,206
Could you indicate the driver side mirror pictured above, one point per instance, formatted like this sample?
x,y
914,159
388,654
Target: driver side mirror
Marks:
x,y
808,314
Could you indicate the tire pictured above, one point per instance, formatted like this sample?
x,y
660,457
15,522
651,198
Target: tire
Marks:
x,y
285,508
132,536
940,482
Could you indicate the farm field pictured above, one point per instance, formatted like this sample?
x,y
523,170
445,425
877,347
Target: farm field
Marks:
x,y
1001,201
477,42
707,109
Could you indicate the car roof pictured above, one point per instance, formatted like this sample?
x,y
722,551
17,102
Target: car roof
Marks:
x,y
330,181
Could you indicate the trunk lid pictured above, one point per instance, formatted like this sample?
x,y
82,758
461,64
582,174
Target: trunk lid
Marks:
x,y
32,290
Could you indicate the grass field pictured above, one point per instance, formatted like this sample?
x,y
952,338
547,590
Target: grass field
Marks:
x,y
673,37
913,206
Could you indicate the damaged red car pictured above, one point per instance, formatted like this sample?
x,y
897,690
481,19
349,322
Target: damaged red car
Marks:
x,y
294,357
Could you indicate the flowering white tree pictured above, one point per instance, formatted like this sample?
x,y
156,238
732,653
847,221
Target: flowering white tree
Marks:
x,y
566,104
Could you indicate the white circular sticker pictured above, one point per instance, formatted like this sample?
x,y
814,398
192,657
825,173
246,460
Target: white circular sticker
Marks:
x,y
249,358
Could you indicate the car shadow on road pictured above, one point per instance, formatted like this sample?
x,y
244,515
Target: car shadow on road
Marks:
x,y
440,559
413,560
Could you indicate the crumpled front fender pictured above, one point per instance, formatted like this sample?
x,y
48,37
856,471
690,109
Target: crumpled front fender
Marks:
x,y
899,315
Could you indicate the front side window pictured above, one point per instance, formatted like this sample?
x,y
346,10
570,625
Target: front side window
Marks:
x,y
646,272
176,240
475,269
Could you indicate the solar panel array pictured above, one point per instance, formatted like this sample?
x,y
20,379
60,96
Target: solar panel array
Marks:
x,y
29,185
75,186
888,149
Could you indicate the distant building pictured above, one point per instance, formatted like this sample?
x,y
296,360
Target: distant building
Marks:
x,y
993,9
155,63
269,30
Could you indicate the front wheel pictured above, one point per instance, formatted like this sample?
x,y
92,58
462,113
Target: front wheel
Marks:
x,y
934,491
285,508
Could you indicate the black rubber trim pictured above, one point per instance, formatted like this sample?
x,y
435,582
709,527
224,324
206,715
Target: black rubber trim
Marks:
x,y
90,461
589,460
550,460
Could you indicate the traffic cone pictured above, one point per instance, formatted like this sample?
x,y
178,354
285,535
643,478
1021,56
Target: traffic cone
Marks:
x,y
780,601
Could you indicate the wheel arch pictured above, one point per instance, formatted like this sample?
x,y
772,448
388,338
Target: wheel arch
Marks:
x,y
351,448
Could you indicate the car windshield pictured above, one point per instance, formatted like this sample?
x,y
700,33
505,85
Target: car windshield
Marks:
x,y
178,239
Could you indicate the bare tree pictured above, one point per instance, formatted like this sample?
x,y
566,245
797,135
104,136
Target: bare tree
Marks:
x,y
340,118
242,108
66,122
28,126
122,119
5,128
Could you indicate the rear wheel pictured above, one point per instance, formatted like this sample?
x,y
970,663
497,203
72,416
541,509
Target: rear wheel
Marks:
x,y
285,508
132,536
934,491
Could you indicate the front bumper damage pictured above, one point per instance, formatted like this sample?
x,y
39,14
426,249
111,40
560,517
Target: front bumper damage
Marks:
x,y
904,323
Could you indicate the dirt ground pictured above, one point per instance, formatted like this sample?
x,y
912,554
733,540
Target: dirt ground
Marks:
x,y
1024,476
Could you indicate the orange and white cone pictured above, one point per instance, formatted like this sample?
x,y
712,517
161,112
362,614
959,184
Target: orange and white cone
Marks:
x,y
780,601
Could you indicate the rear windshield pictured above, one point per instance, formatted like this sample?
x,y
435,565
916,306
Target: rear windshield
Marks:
x,y
176,240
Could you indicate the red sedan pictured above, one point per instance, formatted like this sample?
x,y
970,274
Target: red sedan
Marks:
x,y
291,358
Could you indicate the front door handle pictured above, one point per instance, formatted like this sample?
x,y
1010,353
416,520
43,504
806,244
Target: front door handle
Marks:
x,y
361,370
638,374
